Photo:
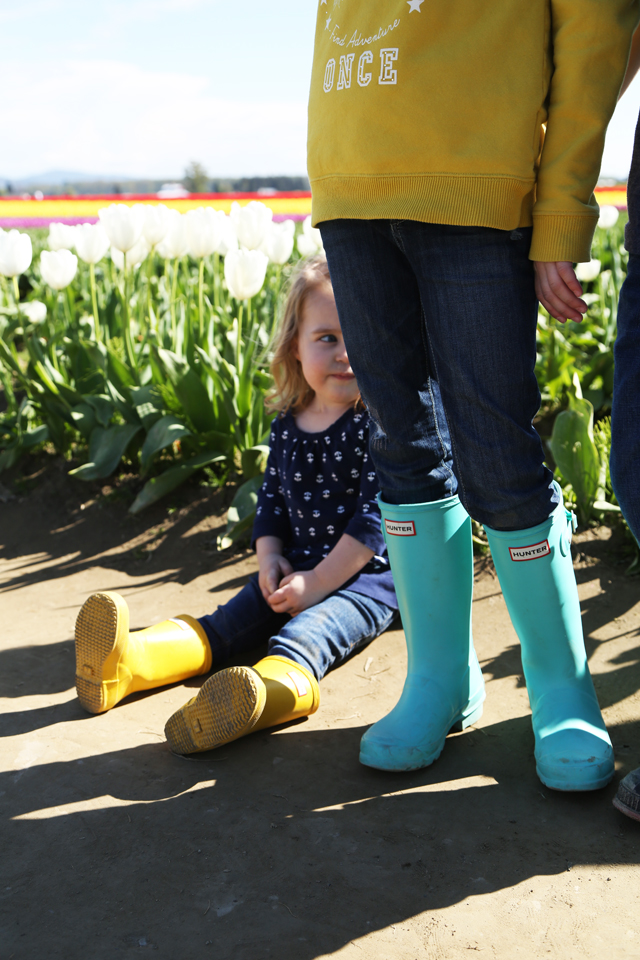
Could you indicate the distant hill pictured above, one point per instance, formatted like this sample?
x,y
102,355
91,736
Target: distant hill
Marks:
x,y
56,182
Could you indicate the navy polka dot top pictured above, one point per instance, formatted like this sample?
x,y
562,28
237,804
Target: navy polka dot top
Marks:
x,y
318,486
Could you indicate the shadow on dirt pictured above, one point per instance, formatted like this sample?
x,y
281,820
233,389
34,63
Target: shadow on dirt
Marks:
x,y
70,526
251,880
280,845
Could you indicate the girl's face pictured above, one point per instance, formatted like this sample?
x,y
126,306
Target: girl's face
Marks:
x,y
320,349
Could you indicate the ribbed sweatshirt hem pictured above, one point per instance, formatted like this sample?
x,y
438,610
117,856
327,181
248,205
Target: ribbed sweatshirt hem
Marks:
x,y
503,203
481,201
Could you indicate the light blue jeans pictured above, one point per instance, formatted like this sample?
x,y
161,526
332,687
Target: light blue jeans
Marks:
x,y
319,638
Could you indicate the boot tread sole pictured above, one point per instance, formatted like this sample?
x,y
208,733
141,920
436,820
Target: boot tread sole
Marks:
x,y
227,707
95,638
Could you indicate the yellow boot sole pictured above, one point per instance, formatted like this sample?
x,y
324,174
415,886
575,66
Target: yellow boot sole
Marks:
x,y
228,706
101,628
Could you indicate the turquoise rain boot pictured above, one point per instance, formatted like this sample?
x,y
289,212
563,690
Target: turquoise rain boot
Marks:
x,y
572,747
431,556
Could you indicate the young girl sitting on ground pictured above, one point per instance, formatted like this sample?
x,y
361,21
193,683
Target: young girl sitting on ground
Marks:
x,y
324,586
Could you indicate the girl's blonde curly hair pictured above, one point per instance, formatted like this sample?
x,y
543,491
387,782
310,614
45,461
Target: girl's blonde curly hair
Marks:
x,y
290,392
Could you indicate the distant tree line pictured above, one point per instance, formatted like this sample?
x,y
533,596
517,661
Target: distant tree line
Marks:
x,y
195,180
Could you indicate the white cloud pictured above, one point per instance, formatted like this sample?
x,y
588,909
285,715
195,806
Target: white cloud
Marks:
x,y
104,116
116,9
28,9
111,117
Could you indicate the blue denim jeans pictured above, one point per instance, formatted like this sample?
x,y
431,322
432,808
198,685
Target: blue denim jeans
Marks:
x,y
440,327
319,638
625,414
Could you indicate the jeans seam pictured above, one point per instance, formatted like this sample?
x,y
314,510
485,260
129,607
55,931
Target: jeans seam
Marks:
x,y
430,357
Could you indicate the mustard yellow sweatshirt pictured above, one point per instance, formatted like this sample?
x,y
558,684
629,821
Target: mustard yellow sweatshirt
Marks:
x,y
436,110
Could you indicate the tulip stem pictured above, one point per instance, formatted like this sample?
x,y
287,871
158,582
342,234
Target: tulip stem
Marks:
x,y
94,301
128,343
249,319
201,297
67,306
150,265
216,280
16,294
174,294
239,338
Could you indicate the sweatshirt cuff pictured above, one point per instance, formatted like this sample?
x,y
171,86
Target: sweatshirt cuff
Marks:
x,y
560,237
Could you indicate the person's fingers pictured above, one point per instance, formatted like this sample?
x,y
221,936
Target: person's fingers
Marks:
x,y
552,303
272,582
279,602
573,306
568,274
554,293
286,567
263,583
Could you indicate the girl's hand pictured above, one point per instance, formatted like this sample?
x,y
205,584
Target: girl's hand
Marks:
x,y
559,291
273,567
298,591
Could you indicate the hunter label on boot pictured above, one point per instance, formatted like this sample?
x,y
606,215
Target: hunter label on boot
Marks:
x,y
400,528
532,552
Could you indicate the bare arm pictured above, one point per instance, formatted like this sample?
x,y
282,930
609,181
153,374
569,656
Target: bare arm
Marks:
x,y
306,588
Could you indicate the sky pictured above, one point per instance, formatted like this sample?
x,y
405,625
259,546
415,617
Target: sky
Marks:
x,y
139,88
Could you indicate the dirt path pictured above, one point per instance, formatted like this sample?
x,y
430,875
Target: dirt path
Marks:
x,y
282,845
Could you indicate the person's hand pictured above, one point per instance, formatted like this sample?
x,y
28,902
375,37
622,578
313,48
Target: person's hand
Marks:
x,y
297,592
273,567
559,291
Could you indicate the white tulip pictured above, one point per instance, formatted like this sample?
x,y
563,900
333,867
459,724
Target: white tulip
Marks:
x,y
244,271
224,234
58,268
157,220
61,236
16,253
585,272
251,223
278,244
123,224
175,243
135,256
34,310
200,233
228,239
91,242
608,217
310,240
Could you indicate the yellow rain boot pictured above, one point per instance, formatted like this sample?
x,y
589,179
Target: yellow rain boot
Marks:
x,y
239,700
111,662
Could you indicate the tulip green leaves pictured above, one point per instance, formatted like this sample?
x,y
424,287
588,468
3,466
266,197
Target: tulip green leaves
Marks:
x,y
241,513
162,365
106,449
582,455
164,433
166,482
